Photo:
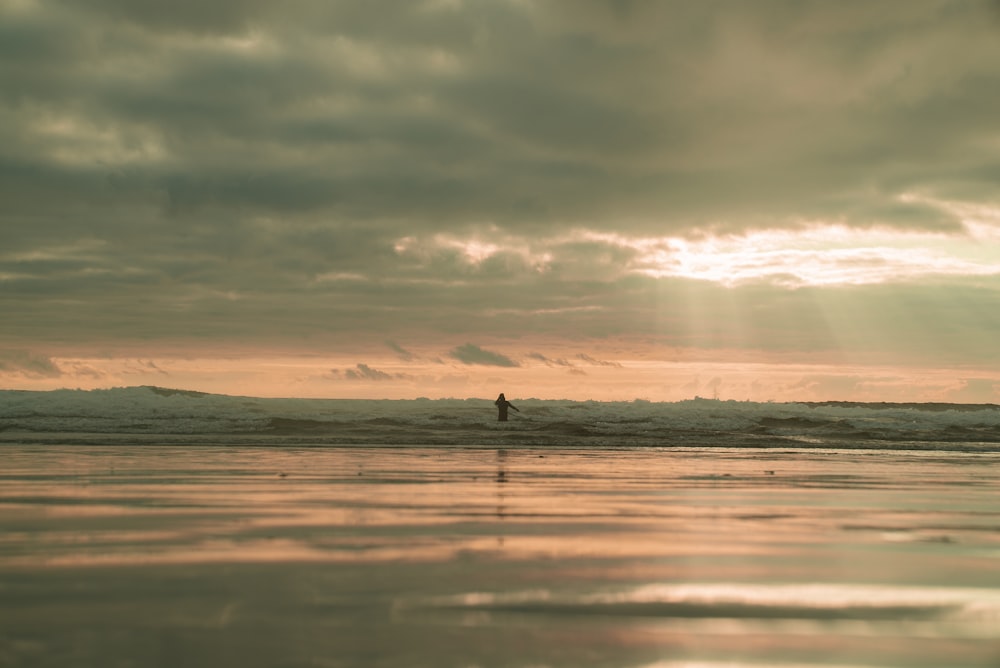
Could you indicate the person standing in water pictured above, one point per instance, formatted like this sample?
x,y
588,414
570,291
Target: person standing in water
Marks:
x,y
503,405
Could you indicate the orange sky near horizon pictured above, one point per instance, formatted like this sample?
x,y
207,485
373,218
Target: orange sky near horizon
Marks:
x,y
577,378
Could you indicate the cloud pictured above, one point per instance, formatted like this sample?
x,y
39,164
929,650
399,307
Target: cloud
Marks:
x,y
403,354
471,354
365,372
143,367
83,370
548,361
25,363
596,362
583,113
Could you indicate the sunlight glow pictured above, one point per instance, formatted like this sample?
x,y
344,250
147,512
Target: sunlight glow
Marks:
x,y
474,250
339,277
816,254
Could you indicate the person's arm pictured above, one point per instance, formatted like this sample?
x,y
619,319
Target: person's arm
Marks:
x,y
513,406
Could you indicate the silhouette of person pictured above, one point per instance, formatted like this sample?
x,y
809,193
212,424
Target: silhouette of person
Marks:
x,y
503,405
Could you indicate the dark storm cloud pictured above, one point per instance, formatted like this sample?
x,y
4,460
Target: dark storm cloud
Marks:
x,y
670,113
298,170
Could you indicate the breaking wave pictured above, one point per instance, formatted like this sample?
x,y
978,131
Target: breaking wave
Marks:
x,y
153,414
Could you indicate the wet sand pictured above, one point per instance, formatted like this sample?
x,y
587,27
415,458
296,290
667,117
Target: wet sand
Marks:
x,y
216,556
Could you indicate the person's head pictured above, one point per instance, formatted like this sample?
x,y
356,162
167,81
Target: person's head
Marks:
x,y
501,397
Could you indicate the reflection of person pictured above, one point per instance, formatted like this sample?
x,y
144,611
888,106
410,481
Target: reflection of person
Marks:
x,y
503,405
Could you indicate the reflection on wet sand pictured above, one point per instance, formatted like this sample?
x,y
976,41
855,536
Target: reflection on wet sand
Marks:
x,y
497,557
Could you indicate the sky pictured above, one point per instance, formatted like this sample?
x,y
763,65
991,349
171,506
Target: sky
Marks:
x,y
587,199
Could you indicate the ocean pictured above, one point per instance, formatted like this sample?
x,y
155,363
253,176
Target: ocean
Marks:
x,y
151,415
155,527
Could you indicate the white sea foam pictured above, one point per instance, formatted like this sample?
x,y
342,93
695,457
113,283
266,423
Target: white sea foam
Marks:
x,y
147,412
